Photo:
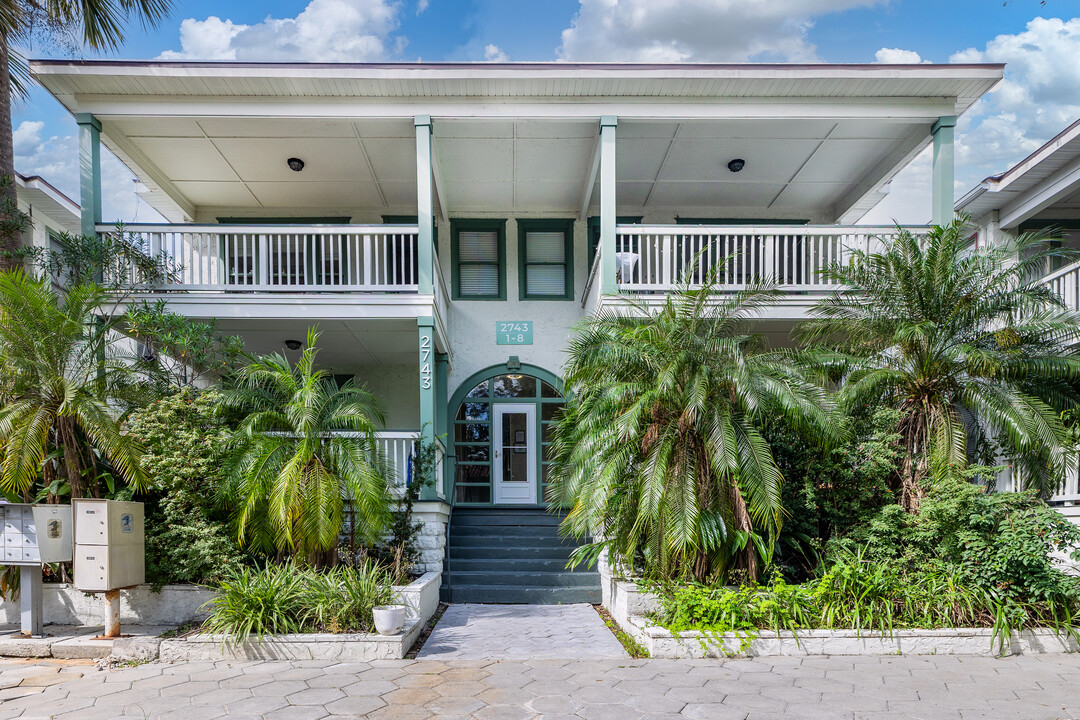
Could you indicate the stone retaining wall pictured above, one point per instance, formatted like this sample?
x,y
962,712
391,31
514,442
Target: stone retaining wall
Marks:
x,y
64,605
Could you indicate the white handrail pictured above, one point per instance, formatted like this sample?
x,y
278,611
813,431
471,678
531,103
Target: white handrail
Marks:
x,y
283,257
658,258
1066,283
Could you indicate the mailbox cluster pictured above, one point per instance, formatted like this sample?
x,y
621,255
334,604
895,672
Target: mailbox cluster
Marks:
x,y
109,545
35,534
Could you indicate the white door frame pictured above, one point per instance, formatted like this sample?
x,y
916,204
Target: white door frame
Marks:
x,y
513,493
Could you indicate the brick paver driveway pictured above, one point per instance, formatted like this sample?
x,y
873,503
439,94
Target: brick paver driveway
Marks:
x,y
1032,687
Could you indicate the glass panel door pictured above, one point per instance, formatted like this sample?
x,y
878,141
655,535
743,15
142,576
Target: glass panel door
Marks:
x,y
515,453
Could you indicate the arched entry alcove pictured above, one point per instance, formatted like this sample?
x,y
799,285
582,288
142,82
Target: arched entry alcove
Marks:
x,y
501,423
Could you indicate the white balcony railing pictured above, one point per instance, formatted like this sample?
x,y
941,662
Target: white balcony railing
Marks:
x,y
284,258
397,448
658,258
1066,283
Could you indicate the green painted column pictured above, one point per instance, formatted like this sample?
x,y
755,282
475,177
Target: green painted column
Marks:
x,y
943,173
427,382
442,427
425,253
608,284
89,171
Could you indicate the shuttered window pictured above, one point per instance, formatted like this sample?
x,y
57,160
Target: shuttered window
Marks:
x,y
479,259
546,254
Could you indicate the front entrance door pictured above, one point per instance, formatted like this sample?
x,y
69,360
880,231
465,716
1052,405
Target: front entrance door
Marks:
x,y
515,453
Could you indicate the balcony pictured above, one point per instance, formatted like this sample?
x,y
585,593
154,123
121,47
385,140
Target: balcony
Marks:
x,y
284,272
1066,283
653,260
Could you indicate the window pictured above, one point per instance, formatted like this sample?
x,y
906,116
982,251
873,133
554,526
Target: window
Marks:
x,y
478,250
546,257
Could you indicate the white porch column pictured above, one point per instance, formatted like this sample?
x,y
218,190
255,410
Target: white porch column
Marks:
x,y
425,250
943,169
608,284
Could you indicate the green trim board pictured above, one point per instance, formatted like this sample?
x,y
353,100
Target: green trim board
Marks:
x,y
470,436
737,221
524,227
270,220
456,227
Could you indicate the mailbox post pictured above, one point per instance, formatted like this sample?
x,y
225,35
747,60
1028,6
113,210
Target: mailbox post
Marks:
x,y
33,536
110,551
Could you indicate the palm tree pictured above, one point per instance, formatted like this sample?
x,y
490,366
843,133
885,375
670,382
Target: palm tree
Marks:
x,y
960,341
97,24
305,450
659,449
62,379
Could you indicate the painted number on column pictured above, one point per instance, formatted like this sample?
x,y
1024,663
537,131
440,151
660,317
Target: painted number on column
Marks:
x,y
425,362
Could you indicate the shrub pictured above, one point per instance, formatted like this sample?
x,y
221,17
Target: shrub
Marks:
x,y
187,539
294,598
826,493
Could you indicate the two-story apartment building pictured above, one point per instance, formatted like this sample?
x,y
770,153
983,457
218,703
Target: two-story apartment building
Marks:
x,y
446,225
1041,192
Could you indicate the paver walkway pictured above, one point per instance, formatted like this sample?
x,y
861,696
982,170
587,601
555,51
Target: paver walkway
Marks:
x,y
520,632
822,688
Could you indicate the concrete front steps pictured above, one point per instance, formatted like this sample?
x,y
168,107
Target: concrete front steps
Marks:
x,y
513,555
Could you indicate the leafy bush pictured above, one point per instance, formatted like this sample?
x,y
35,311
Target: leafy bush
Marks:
x,y
1001,543
969,559
187,538
826,493
294,598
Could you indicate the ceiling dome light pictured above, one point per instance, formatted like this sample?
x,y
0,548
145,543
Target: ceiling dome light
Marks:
x,y
735,165
293,344
295,164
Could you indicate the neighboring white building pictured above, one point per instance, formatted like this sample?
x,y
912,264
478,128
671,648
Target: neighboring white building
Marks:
x,y
446,225
1040,192
51,211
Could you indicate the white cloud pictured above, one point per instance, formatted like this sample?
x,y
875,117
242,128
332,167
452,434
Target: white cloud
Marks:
x,y
1038,98
56,159
492,53
696,30
27,136
897,56
421,6
325,31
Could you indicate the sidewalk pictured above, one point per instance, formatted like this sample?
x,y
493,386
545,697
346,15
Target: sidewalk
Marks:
x,y
822,688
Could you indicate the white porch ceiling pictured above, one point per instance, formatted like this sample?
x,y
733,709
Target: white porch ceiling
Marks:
x,y
352,167
818,139
343,344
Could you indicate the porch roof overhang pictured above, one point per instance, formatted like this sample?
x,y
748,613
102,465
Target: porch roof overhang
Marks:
x,y
38,192
818,139
1048,178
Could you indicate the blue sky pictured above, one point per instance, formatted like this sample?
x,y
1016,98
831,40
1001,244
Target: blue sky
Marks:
x,y
1039,41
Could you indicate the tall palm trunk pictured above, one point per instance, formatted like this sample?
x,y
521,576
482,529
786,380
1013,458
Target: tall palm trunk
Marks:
x,y
11,239
73,462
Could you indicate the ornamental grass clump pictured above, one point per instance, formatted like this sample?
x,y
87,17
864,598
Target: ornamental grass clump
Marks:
x,y
287,598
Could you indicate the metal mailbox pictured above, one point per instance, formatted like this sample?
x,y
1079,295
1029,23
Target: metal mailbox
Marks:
x,y
110,550
35,534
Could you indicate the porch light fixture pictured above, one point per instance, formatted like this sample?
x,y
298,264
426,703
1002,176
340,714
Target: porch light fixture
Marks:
x,y
295,164
294,344
734,165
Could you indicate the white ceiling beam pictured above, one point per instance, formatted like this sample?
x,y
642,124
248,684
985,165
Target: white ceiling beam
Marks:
x,y
440,188
590,181
143,168
1058,186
